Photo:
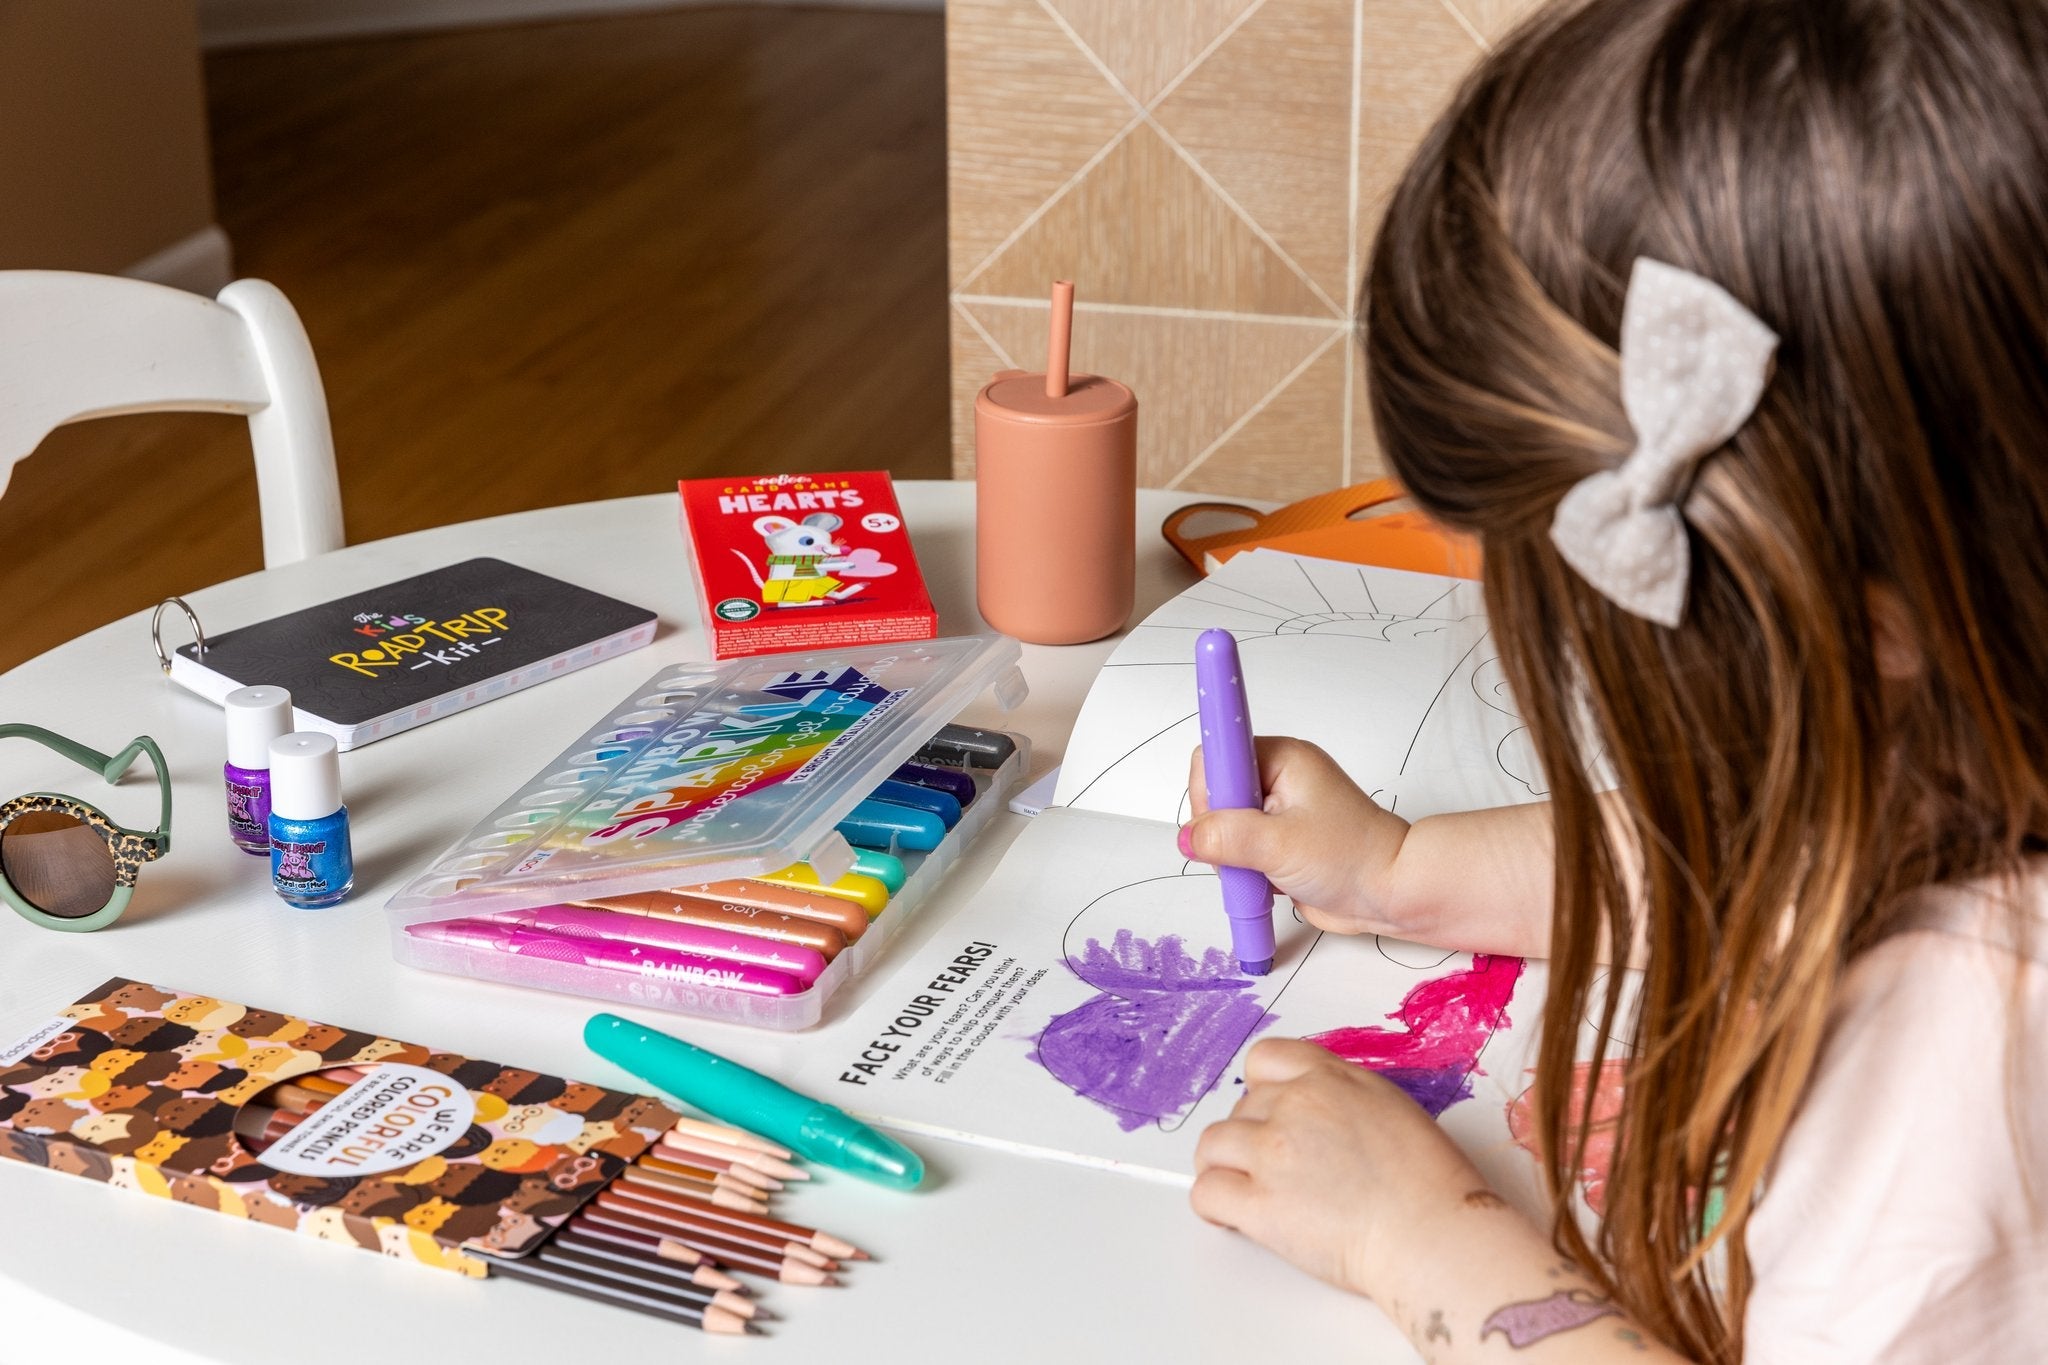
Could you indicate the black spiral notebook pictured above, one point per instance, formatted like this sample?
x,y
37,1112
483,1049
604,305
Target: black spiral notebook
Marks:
x,y
389,658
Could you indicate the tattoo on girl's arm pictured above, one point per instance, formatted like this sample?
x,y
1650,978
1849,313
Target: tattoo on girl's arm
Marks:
x,y
1524,1324
1436,1330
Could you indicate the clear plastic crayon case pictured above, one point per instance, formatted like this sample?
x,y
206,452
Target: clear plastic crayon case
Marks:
x,y
708,772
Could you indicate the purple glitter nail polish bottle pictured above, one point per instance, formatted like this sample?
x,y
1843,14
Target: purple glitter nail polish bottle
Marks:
x,y
256,715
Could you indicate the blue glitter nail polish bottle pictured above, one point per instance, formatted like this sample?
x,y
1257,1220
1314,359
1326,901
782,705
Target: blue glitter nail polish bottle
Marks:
x,y
310,862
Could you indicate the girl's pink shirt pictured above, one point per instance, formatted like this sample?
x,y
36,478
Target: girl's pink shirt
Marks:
x,y
1906,1218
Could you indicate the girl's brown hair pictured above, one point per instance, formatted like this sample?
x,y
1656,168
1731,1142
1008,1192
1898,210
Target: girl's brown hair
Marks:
x,y
1869,177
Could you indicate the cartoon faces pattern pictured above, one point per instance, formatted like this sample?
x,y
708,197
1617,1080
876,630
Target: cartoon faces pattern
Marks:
x,y
143,1090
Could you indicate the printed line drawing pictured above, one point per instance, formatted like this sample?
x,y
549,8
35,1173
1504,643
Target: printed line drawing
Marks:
x,y
1315,636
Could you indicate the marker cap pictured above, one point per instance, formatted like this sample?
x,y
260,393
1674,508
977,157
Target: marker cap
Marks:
x,y
850,1145
305,776
256,716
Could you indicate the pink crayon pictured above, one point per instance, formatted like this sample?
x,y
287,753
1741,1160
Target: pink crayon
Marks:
x,y
793,959
632,959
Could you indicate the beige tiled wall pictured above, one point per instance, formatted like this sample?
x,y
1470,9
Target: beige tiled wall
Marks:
x,y
1208,173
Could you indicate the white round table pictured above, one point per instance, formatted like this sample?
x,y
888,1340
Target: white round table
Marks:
x,y
998,1258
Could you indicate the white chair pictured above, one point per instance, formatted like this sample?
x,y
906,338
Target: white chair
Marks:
x,y
76,346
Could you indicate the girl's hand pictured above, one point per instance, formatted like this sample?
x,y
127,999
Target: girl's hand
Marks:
x,y
1333,1168
1328,1165
1320,840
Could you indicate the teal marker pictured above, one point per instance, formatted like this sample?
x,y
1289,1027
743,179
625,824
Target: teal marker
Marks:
x,y
734,1094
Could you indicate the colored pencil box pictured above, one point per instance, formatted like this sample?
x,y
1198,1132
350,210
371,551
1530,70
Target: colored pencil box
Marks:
x,y
707,774
428,1156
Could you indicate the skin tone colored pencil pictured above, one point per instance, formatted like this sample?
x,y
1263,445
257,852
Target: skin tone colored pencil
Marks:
x,y
292,1095
644,1256
738,1156
651,1164
717,1165
766,1243
580,1282
282,1122
708,1167
710,1194
626,1240
730,1136
771,1243
322,1083
675,1241
696,1216
823,1242
262,1125
700,1269
649,1276
790,1274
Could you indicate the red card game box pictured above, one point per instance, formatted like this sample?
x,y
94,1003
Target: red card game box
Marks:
x,y
803,561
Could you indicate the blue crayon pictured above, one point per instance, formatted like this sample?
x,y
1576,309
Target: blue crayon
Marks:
x,y
878,824
936,802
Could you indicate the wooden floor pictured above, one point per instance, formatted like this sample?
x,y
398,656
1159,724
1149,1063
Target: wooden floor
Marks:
x,y
540,264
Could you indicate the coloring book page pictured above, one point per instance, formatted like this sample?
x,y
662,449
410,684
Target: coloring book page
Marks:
x,y
1394,673
1086,1004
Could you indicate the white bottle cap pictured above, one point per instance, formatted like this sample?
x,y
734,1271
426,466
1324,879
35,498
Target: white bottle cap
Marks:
x,y
305,776
256,715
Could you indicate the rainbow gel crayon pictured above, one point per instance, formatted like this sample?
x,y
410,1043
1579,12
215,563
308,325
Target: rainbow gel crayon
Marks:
x,y
726,945
1230,769
630,959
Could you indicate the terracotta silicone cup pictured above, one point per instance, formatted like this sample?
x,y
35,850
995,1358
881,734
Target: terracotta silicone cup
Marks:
x,y
1055,507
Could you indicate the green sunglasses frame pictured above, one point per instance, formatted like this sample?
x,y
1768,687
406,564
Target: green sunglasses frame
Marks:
x,y
131,848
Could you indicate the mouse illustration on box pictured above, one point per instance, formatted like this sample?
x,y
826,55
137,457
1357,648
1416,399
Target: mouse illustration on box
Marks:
x,y
806,564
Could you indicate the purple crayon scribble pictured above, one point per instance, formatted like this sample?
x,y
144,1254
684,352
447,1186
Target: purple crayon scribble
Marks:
x,y
1525,1324
1158,1036
1444,1024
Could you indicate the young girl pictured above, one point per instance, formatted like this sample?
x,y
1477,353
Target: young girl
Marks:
x,y
1724,325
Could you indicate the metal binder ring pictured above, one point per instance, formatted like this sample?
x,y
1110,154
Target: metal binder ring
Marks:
x,y
156,631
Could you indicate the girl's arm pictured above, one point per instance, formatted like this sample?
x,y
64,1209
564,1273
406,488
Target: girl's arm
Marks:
x,y
1335,1169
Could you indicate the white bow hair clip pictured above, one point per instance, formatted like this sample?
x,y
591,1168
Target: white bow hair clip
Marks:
x,y
1693,365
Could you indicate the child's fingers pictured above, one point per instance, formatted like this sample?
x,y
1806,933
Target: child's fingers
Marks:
x,y
1223,1196
1235,838
1231,1143
1198,787
1271,1061
1278,753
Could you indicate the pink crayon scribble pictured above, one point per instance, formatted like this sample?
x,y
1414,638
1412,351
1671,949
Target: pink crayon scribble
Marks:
x,y
1599,1151
1444,1024
1525,1324
1160,1033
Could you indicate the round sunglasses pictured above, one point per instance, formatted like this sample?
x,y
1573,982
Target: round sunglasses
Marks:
x,y
64,864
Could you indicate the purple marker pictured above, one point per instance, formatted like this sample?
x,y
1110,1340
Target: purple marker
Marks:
x,y
704,940
1230,769
630,959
